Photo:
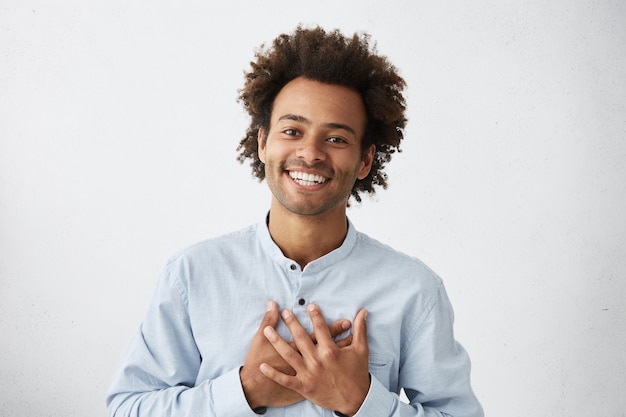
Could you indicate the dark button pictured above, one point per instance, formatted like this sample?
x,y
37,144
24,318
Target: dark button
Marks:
x,y
301,301
293,267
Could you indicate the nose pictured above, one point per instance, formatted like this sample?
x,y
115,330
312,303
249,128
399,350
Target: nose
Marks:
x,y
310,149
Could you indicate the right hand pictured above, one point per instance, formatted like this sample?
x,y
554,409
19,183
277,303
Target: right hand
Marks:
x,y
261,391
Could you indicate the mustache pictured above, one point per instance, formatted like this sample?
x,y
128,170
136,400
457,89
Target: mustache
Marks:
x,y
320,167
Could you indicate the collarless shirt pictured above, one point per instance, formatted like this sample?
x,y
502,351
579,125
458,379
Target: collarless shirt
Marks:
x,y
185,358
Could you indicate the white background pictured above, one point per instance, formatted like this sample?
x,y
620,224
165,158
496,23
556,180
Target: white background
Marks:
x,y
118,129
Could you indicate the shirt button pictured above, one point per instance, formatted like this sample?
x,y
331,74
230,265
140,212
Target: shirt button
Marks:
x,y
293,267
301,301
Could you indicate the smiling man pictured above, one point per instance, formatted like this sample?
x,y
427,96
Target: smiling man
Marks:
x,y
301,314
312,156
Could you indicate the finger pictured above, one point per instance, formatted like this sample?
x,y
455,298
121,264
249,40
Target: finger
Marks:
x,y
360,329
280,378
339,327
300,336
271,316
320,328
284,349
336,328
346,341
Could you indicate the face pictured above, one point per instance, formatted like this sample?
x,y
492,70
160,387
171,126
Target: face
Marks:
x,y
312,153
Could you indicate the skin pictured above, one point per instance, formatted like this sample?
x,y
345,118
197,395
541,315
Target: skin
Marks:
x,y
262,391
316,129
331,376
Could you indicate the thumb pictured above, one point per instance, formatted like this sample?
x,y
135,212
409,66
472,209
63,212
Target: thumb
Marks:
x,y
271,316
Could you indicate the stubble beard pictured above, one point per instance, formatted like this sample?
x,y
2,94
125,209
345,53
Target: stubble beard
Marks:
x,y
309,205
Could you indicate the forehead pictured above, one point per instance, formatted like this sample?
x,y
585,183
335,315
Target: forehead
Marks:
x,y
320,103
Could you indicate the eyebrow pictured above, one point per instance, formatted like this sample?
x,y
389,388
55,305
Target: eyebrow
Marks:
x,y
304,120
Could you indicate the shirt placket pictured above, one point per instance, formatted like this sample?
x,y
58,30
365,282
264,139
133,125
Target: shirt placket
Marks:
x,y
304,281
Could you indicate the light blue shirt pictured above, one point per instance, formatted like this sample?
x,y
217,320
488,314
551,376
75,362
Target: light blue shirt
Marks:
x,y
185,358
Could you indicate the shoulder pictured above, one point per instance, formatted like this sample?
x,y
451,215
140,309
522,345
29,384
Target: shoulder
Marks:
x,y
403,266
216,247
404,281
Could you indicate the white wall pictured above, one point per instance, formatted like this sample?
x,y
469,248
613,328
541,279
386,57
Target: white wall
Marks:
x,y
118,128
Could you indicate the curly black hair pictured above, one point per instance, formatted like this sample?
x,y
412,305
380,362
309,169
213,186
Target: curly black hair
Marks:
x,y
332,58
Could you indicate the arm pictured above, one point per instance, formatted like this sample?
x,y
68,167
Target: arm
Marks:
x,y
434,371
160,370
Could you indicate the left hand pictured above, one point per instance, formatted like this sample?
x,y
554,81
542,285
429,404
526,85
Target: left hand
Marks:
x,y
331,376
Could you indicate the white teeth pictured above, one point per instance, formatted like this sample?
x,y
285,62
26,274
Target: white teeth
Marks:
x,y
303,178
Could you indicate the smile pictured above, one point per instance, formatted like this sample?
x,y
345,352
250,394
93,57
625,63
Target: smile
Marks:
x,y
305,179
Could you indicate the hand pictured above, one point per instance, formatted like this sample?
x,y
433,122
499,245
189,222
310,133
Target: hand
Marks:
x,y
331,376
258,389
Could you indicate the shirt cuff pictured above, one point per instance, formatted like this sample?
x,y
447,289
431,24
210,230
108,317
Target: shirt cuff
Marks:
x,y
379,401
229,399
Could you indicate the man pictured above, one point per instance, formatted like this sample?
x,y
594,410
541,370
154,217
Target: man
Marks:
x,y
327,113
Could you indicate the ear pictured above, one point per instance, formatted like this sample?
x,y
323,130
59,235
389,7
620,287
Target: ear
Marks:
x,y
366,162
261,139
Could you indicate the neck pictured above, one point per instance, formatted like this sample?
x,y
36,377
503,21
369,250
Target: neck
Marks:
x,y
306,238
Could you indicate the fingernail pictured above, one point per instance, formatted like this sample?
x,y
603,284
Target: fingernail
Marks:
x,y
268,332
345,325
310,307
269,306
285,314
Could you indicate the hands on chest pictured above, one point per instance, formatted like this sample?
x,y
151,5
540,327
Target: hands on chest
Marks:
x,y
332,374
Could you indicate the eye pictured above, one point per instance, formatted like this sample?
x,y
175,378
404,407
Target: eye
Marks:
x,y
336,139
291,132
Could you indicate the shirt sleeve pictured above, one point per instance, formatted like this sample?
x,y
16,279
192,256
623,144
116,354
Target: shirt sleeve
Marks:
x,y
435,374
158,373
